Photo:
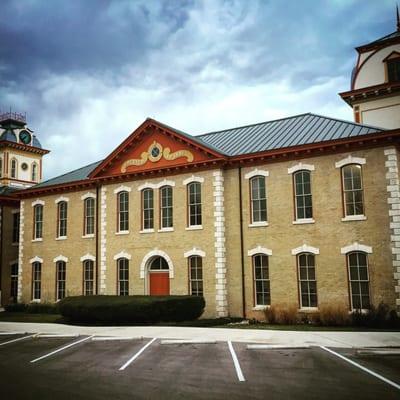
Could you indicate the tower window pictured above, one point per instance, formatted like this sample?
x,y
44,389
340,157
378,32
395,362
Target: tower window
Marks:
x,y
13,168
393,70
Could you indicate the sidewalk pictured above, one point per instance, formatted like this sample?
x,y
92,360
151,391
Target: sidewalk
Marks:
x,y
285,338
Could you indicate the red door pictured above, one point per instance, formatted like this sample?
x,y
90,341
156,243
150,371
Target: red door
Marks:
x,y
159,284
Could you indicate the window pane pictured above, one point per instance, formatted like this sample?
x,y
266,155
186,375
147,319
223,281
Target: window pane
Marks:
x,y
307,280
352,190
194,206
261,279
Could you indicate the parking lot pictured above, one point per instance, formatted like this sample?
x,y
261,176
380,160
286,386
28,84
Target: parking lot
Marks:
x,y
91,367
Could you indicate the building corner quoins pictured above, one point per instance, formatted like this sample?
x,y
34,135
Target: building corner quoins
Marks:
x,y
221,293
20,250
103,240
393,191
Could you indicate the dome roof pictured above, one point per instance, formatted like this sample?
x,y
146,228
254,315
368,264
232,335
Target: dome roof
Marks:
x,y
8,135
36,143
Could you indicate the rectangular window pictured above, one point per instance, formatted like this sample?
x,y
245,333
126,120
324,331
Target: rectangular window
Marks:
x,y
89,216
123,211
148,208
38,222
36,280
258,199
60,279
359,281
353,190
262,292
393,68
196,275
123,276
15,231
62,219
307,280
302,191
14,282
166,207
194,198
88,277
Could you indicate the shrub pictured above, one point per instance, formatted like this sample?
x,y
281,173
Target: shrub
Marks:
x,y
333,316
376,317
16,307
282,315
271,315
138,309
43,308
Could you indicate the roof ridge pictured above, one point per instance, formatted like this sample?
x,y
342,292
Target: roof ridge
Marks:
x,y
257,123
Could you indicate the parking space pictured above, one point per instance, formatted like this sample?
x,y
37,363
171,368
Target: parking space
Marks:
x,y
149,368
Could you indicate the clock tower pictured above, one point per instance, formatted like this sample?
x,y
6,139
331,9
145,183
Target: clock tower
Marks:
x,y
20,152
375,82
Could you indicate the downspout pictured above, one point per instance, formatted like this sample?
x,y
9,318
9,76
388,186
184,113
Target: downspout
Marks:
x,y
97,237
241,243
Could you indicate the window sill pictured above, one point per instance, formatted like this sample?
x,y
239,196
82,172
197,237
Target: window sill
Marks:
x,y
194,228
166,230
362,311
61,238
260,308
308,309
354,218
89,236
35,301
37,240
147,230
258,224
122,233
304,221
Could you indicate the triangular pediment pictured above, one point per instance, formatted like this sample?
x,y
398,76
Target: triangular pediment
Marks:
x,y
393,55
154,146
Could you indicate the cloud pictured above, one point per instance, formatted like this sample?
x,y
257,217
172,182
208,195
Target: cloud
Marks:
x,y
88,72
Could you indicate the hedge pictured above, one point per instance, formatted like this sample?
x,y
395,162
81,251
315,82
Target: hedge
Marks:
x,y
33,308
137,309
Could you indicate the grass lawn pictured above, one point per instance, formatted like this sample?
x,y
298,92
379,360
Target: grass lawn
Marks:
x,y
25,317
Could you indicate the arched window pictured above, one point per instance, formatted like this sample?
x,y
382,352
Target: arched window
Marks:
x,y
88,225
123,276
353,197
123,211
36,280
38,221
307,280
14,282
159,263
262,293
166,210
302,194
14,168
61,269
194,204
147,208
62,214
1,167
88,277
357,262
258,199
196,275
34,172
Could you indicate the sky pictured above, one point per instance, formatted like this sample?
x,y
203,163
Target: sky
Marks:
x,y
88,72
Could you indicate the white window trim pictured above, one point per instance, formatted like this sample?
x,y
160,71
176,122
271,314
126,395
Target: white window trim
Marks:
x,y
37,202
300,167
122,233
88,195
194,252
356,247
61,238
88,257
147,185
150,255
256,172
168,229
261,307
194,227
37,240
122,188
350,160
258,224
304,221
60,258
359,217
60,199
165,182
193,178
259,250
36,259
122,254
88,236
150,230
305,249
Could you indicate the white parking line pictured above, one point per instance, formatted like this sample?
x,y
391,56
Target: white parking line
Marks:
x,y
137,354
17,340
274,347
236,362
382,378
50,335
12,333
111,338
187,341
61,349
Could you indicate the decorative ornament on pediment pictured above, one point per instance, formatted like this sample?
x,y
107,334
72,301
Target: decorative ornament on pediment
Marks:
x,y
154,153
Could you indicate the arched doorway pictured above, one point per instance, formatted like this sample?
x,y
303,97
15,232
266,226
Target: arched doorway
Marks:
x,y
158,276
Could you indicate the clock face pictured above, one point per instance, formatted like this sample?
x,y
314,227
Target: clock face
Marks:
x,y
155,151
25,137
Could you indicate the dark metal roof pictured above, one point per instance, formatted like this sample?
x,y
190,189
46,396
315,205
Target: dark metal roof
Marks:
x,y
286,132
385,38
73,176
36,142
7,190
8,135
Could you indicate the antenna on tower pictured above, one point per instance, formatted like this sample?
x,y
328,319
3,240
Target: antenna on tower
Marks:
x,y
398,18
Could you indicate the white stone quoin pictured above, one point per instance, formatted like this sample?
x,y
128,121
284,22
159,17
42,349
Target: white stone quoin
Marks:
x,y
393,190
21,249
221,297
103,239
